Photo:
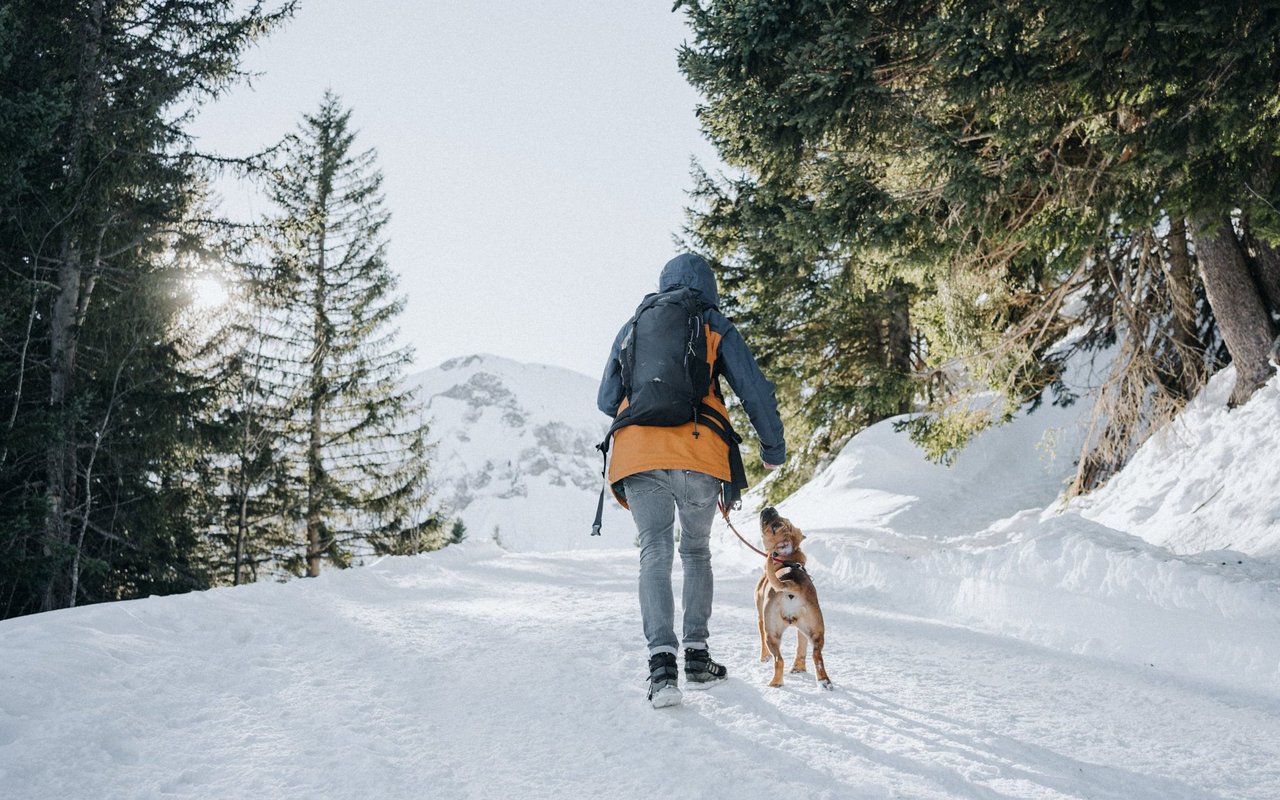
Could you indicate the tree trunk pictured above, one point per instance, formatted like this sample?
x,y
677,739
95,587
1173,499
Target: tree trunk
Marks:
x,y
242,510
1237,305
1186,336
315,466
899,337
63,324
319,390
1266,261
1265,257
315,476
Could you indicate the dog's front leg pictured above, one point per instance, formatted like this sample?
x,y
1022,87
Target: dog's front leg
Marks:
x,y
774,626
762,591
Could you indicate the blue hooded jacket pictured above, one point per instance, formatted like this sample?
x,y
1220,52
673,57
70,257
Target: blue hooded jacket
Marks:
x,y
734,360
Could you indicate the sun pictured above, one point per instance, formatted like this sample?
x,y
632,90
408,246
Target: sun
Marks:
x,y
209,293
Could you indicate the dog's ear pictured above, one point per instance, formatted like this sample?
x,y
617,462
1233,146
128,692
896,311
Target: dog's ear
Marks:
x,y
799,534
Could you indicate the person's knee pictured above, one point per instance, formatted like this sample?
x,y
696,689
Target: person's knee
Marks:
x,y
656,553
695,548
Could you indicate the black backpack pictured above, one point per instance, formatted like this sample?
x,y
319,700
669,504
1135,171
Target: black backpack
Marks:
x,y
665,373
666,377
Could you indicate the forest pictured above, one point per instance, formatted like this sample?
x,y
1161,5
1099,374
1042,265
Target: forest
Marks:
x,y
926,201
150,444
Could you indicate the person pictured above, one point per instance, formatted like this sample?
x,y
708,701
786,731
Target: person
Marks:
x,y
659,472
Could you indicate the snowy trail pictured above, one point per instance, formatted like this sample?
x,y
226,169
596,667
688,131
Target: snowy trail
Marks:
x,y
476,673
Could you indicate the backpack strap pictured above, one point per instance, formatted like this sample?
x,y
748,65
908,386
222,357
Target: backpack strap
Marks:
x,y
621,421
595,526
732,492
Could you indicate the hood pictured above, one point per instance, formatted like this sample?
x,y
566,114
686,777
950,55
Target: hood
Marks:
x,y
691,271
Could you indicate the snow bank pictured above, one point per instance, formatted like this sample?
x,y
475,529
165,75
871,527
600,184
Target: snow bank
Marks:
x,y
1207,482
881,480
1064,582
987,543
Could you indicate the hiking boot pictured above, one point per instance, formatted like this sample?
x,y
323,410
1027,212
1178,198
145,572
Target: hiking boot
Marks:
x,y
663,691
700,671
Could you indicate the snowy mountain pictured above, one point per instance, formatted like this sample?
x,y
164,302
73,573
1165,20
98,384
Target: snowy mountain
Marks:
x,y
986,640
515,453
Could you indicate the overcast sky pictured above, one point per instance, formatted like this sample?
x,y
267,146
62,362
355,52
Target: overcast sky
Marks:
x,y
536,157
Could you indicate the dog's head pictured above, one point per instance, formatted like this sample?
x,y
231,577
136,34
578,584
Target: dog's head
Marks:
x,y
781,538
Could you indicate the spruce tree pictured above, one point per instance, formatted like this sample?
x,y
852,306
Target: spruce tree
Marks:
x,y
1000,160
353,437
98,190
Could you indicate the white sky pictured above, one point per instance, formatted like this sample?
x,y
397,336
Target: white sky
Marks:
x,y
536,157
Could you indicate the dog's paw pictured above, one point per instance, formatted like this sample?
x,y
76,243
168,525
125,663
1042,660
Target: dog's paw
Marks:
x,y
826,683
799,668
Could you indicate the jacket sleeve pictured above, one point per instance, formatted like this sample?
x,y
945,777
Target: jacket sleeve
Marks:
x,y
611,392
756,392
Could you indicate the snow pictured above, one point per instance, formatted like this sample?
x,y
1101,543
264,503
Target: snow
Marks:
x,y
987,544
985,639
1208,481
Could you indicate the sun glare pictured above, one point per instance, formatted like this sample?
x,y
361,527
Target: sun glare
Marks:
x,y
208,293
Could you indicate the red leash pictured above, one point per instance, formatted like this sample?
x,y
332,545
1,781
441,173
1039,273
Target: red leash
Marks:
x,y
724,512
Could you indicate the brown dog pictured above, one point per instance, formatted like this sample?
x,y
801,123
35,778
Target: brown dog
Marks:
x,y
785,596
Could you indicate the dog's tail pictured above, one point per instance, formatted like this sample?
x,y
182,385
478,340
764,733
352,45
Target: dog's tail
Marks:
x,y
791,572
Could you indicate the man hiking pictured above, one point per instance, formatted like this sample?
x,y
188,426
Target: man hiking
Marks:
x,y
674,452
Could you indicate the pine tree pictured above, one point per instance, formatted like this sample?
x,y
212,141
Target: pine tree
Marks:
x,y
353,437
97,198
998,160
830,326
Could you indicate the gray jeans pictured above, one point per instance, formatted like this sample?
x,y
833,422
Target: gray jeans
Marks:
x,y
654,497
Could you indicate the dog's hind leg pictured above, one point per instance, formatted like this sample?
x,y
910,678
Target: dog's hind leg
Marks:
x,y
802,649
817,633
